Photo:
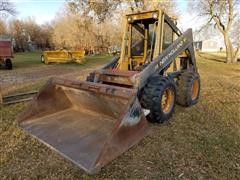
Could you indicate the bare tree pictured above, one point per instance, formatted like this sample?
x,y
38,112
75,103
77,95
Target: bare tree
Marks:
x,y
46,36
7,7
235,36
141,5
96,25
103,9
3,29
73,30
28,32
221,14
40,35
18,32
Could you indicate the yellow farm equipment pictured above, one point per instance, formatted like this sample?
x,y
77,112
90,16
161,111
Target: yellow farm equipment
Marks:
x,y
94,121
62,56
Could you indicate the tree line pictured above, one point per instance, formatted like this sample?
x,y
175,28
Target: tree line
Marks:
x,y
96,25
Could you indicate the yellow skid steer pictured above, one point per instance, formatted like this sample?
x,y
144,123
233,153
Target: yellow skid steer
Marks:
x,y
94,121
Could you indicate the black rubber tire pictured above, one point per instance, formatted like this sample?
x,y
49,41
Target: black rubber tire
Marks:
x,y
184,88
42,59
8,64
152,98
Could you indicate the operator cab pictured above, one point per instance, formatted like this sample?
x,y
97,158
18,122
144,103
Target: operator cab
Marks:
x,y
146,35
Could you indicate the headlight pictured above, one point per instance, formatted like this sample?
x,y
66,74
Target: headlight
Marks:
x,y
155,15
129,19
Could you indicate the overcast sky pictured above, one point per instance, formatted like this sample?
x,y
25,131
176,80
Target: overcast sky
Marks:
x,y
41,10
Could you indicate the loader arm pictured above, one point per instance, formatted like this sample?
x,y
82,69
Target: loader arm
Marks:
x,y
160,63
172,25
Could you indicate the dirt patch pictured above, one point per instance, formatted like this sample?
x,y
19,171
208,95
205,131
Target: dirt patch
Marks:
x,y
11,79
28,69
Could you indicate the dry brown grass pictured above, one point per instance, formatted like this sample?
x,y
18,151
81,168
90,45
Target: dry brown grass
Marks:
x,y
200,142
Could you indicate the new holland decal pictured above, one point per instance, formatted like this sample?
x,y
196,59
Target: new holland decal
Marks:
x,y
173,51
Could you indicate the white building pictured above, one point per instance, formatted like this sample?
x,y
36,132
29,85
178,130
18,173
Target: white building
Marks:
x,y
207,46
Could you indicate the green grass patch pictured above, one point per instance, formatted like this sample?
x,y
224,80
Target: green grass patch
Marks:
x,y
28,59
33,59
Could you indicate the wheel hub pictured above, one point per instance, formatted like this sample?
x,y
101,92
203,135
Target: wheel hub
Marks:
x,y
167,100
194,89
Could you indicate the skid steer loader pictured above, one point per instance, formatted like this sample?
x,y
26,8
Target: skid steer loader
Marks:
x,y
94,121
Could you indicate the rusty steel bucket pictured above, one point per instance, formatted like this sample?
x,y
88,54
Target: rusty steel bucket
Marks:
x,y
87,123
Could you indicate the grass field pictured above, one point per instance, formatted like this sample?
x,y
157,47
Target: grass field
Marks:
x,y
200,142
215,56
22,60
27,59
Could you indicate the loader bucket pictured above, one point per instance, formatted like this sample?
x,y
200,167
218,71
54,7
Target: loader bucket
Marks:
x,y
87,123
